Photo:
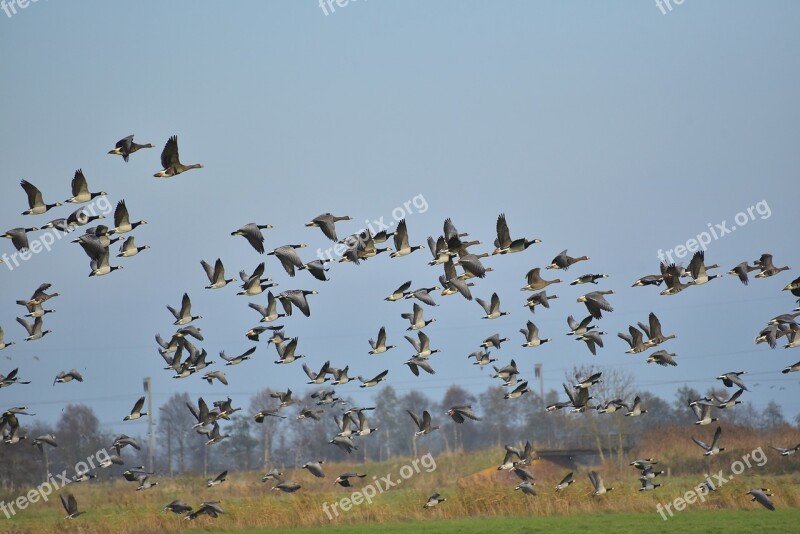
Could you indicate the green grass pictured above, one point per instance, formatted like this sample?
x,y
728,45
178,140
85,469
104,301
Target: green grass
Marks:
x,y
727,521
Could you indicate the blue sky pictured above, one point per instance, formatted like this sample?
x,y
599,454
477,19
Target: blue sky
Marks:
x,y
608,129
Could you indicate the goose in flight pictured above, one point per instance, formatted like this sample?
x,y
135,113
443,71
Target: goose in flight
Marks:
x,y
380,346
492,308
714,448
597,482
252,232
216,275
36,205
80,190
564,261
170,160
122,220
762,496
125,147
184,316
531,333
596,303
462,413
416,318
504,244
401,244
327,223
34,330
535,281
19,237
71,506
136,412
423,424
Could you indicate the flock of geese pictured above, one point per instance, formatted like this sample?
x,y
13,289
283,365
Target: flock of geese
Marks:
x,y
462,271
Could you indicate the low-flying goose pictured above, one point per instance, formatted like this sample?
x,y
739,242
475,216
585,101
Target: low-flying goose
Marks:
x,y
526,488
316,268
71,506
563,261
216,481
125,147
252,232
472,265
423,295
36,205
170,160
635,340
597,482
762,496
714,448
461,413
253,284
787,451
423,424
636,409
565,482
327,223
344,443
612,406
47,439
434,500
286,353
209,508
703,414
315,468
733,400
11,379
535,281
178,507
421,345
507,373
344,479
69,376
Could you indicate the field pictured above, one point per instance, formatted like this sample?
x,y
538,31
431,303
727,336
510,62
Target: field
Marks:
x,y
476,503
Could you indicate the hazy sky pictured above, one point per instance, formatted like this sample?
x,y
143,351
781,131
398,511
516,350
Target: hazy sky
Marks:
x,y
607,128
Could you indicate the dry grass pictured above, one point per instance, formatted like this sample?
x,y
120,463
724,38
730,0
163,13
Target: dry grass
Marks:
x,y
470,482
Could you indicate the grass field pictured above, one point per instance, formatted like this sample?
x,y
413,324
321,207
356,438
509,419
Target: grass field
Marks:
x,y
482,501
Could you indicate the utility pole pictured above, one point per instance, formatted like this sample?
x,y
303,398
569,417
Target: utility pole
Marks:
x,y
537,372
148,391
